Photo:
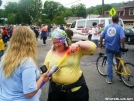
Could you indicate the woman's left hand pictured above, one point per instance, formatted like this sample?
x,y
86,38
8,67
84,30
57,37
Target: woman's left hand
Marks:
x,y
74,47
46,79
46,76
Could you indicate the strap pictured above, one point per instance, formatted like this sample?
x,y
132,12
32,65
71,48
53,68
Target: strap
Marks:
x,y
65,56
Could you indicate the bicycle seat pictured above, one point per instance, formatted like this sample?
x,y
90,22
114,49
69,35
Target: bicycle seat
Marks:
x,y
123,49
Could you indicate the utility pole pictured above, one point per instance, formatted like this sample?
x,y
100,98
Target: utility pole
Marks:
x,y
102,8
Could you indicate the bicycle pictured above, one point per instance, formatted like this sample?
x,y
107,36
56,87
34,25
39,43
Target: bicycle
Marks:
x,y
125,70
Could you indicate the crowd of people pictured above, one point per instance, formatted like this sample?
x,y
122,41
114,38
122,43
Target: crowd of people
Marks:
x,y
20,79
42,31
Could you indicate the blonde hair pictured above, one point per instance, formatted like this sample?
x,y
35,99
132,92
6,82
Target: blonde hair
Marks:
x,y
23,45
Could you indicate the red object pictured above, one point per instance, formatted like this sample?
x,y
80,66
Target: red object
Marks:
x,y
78,29
69,52
100,25
5,31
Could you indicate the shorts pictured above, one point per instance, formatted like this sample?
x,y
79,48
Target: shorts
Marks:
x,y
96,42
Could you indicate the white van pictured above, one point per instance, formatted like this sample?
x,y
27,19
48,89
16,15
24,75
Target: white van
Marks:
x,y
82,28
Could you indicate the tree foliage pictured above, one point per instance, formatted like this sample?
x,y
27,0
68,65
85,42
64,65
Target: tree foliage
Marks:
x,y
68,12
81,11
98,9
53,9
32,11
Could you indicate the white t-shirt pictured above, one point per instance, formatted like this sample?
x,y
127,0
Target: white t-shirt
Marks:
x,y
95,37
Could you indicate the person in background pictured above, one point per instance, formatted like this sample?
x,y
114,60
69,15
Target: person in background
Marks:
x,y
95,36
114,37
44,34
36,32
69,32
37,27
68,83
2,47
20,79
49,30
54,27
10,31
1,30
101,27
62,27
5,35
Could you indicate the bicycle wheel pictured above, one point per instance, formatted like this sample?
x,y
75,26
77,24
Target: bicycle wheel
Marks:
x,y
101,65
128,80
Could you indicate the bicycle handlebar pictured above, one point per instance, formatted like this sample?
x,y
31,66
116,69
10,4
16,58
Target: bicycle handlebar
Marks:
x,y
124,49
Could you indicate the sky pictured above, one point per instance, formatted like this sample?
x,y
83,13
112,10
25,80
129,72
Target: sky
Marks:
x,y
68,3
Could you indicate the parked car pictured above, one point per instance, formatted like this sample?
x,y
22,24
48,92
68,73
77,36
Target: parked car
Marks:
x,y
131,42
132,29
129,33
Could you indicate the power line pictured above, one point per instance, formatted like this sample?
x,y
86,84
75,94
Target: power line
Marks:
x,y
72,2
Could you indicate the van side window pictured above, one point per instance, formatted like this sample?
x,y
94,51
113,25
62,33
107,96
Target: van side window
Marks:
x,y
73,24
110,21
120,22
81,24
89,23
102,22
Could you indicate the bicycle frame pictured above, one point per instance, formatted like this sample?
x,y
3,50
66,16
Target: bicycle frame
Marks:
x,y
126,71
104,60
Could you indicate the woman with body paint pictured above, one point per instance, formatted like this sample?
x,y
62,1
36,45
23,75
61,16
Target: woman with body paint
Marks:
x,y
68,83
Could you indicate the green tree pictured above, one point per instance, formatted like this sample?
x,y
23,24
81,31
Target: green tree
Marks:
x,y
98,9
68,12
74,9
38,11
81,11
0,11
90,10
10,12
107,7
11,7
51,8
11,18
30,10
117,4
59,20
18,18
78,10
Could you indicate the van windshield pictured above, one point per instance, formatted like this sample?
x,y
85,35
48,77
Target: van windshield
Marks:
x,y
120,22
81,24
89,23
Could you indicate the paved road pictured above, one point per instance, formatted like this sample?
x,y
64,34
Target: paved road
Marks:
x,y
99,90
